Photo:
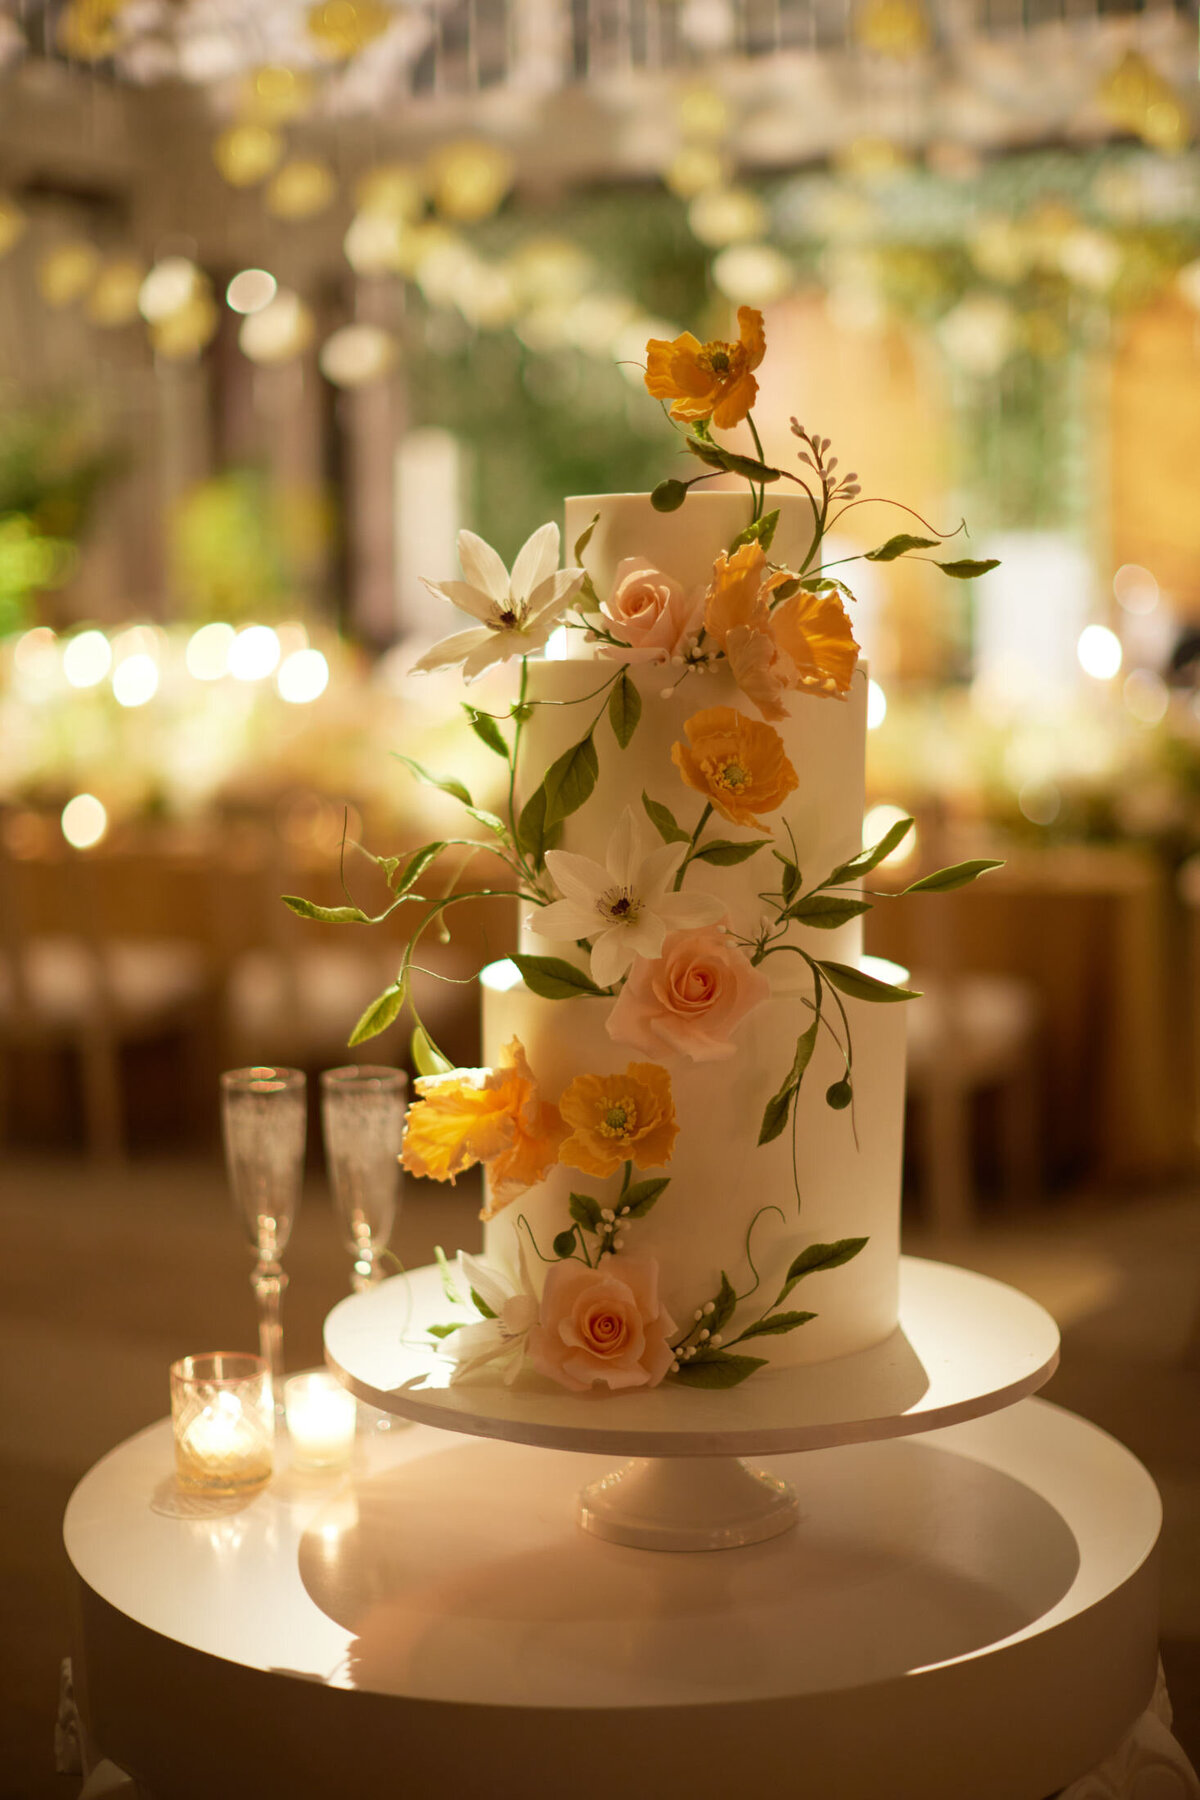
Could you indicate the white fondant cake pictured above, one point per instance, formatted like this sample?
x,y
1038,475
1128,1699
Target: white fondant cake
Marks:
x,y
733,1205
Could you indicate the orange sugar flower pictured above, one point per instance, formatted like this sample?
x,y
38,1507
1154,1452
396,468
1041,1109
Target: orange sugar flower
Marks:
x,y
490,1116
736,763
619,1118
708,381
813,631
739,593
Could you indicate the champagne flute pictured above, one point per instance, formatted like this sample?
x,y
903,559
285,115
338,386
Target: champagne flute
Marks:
x,y
362,1109
263,1121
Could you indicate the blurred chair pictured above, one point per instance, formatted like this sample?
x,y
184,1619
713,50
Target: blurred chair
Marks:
x,y
79,988
971,1034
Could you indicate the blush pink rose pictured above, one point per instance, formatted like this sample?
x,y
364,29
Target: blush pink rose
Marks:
x,y
689,998
602,1325
650,613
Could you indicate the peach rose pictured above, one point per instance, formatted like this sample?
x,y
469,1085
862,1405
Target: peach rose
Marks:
x,y
650,613
602,1325
689,999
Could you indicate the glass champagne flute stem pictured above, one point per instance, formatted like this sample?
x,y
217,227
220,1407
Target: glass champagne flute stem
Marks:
x,y
268,1282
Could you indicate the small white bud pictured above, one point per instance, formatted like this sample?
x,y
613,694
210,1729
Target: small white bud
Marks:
x,y
705,1335
699,1313
716,1339
618,1243
709,1306
606,1212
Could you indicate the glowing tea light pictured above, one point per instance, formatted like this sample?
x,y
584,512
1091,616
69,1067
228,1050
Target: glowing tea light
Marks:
x,y
321,1417
207,653
135,680
303,677
876,706
1099,652
878,823
223,1421
87,659
84,821
254,654
251,290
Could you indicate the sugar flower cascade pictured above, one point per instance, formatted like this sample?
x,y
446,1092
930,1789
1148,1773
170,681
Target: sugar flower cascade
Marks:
x,y
645,941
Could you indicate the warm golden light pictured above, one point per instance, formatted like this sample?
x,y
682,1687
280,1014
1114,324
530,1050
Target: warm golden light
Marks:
x,y
301,189
113,301
303,677
250,291
1099,652
84,821
135,680
282,330
207,653
87,658
65,273
247,154
357,354
254,653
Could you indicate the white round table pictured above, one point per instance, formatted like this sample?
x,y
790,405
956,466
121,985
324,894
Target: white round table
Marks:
x,y
968,1611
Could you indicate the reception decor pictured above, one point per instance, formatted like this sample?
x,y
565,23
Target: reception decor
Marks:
x,y
223,1419
321,1418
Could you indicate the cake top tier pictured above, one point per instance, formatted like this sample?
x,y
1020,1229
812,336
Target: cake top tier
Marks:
x,y
684,543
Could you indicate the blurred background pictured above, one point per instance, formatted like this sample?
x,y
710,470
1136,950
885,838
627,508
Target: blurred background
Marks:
x,y
291,292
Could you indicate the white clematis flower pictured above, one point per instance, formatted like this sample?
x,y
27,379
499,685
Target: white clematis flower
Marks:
x,y
625,906
501,1339
516,612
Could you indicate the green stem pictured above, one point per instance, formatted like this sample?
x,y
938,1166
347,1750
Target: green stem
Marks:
x,y
760,495
705,816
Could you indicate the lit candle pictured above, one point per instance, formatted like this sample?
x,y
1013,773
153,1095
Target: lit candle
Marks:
x,y
223,1420
320,1418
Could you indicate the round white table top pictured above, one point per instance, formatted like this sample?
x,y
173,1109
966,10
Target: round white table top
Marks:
x,y
966,1345
401,1578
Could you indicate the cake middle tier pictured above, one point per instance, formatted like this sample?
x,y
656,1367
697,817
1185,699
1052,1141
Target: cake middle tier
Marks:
x,y
732,1204
824,741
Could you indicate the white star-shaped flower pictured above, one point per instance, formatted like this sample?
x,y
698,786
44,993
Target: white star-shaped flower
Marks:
x,y
516,612
502,1338
625,906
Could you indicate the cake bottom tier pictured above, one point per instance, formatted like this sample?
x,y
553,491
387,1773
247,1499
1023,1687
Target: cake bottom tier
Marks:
x,y
734,1206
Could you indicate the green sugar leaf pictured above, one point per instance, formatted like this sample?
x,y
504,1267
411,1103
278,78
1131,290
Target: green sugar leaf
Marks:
x,y
492,821
445,1331
564,1244
555,979
965,568
866,860
481,1304
570,779
718,1370
382,1012
825,912
585,538
447,784
641,1197
487,731
415,867
427,1058
624,708
779,1105
900,545
709,453
724,1302
532,836
585,1211
860,986
759,531
724,852
664,821
776,1325
944,881
326,915
816,1258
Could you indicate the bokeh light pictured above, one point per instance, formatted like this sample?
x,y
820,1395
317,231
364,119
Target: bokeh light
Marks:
x,y
303,676
168,288
135,680
251,290
1135,588
357,354
876,706
35,657
84,821
254,653
1099,652
87,658
207,653
878,823
281,331
1146,696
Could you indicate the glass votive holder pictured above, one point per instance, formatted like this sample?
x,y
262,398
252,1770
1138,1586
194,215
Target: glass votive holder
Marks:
x,y
224,1422
321,1419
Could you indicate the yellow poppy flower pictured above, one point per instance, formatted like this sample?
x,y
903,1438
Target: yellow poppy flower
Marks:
x,y
490,1116
708,381
619,1118
814,632
736,763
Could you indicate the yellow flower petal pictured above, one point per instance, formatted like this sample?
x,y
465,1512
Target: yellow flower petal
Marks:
x,y
736,763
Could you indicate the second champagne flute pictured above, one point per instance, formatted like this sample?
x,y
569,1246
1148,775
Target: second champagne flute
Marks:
x,y
362,1109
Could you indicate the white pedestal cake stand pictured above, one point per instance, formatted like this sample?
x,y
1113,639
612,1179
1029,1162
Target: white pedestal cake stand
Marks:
x,y
965,1346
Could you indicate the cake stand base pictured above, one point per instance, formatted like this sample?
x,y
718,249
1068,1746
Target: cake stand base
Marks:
x,y
695,1503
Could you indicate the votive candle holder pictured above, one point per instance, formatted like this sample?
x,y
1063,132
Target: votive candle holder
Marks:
x,y
223,1418
321,1419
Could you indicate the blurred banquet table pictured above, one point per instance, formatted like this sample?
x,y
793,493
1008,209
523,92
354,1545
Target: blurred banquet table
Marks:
x,y
1100,933
969,1611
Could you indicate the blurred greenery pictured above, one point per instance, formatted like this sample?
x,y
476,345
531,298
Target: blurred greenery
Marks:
x,y
54,461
